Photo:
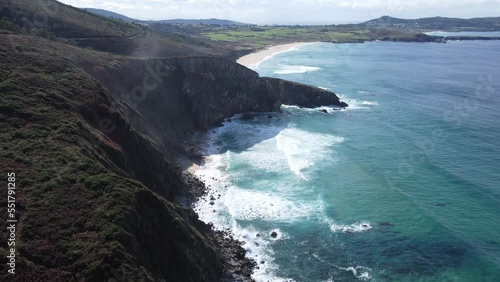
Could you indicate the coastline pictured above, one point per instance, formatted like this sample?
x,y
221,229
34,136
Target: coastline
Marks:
x,y
253,60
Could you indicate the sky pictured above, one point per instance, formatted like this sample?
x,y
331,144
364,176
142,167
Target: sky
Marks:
x,y
293,11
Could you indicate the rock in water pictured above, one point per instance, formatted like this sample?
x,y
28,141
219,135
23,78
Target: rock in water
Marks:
x,y
274,234
324,111
247,116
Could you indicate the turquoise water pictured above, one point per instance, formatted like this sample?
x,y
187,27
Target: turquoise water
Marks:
x,y
401,186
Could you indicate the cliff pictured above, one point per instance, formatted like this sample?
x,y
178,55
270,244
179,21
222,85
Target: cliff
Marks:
x,y
92,138
171,98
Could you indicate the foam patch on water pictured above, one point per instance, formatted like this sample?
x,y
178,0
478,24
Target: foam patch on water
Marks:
x,y
293,108
353,228
271,145
302,149
252,205
360,272
290,69
357,227
258,247
267,58
226,205
360,105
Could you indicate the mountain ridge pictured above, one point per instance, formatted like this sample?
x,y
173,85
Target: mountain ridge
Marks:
x,y
209,21
440,23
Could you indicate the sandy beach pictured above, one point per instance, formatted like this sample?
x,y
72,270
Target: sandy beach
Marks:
x,y
254,59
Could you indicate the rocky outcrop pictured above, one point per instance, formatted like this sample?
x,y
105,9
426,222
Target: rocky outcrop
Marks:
x,y
293,93
172,97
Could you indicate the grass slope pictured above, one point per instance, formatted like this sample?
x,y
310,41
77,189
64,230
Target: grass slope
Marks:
x,y
84,211
56,21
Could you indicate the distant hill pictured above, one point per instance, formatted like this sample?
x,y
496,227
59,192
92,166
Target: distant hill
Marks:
x,y
212,21
85,28
441,23
202,21
110,14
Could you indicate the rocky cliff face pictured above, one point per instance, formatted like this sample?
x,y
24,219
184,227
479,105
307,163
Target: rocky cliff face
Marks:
x,y
172,97
97,202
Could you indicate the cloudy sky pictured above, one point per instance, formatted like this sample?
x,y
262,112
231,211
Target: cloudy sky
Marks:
x,y
293,11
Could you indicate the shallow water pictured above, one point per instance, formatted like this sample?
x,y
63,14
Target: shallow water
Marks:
x,y
401,186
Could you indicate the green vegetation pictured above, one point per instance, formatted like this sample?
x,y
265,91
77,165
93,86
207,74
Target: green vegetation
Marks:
x,y
62,20
259,37
437,23
83,213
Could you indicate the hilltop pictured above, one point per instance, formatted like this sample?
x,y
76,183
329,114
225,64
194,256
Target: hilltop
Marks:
x,y
437,23
111,14
212,21
53,20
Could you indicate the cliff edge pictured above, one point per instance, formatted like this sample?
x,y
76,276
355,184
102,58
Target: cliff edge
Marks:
x,y
171,98
93,138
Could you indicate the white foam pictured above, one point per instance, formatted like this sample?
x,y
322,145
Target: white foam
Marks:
x,y
236,203
329,109
360,105
353,228
302,149
357,227
289,69
364,272
253,205
363,275
267,58
293,150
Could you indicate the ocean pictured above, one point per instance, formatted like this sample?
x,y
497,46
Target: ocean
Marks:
x,y
403,185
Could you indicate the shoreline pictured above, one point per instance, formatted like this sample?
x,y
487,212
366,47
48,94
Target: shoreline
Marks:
x,y
236,265
253,60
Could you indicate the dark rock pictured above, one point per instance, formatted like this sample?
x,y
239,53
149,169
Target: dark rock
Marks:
x,y
258,235
212,203
247,116
269,116
274,234
324,111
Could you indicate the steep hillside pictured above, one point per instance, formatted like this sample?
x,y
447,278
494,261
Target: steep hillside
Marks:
x,y
63,20
92,187
92,139
54,20
111,14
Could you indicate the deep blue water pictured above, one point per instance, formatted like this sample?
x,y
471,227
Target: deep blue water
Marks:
x,y
404,185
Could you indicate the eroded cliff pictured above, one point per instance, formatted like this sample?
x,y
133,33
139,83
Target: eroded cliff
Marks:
x,y
92,138
173,97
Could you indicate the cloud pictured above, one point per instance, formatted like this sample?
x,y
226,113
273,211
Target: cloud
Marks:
x,y
294,11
